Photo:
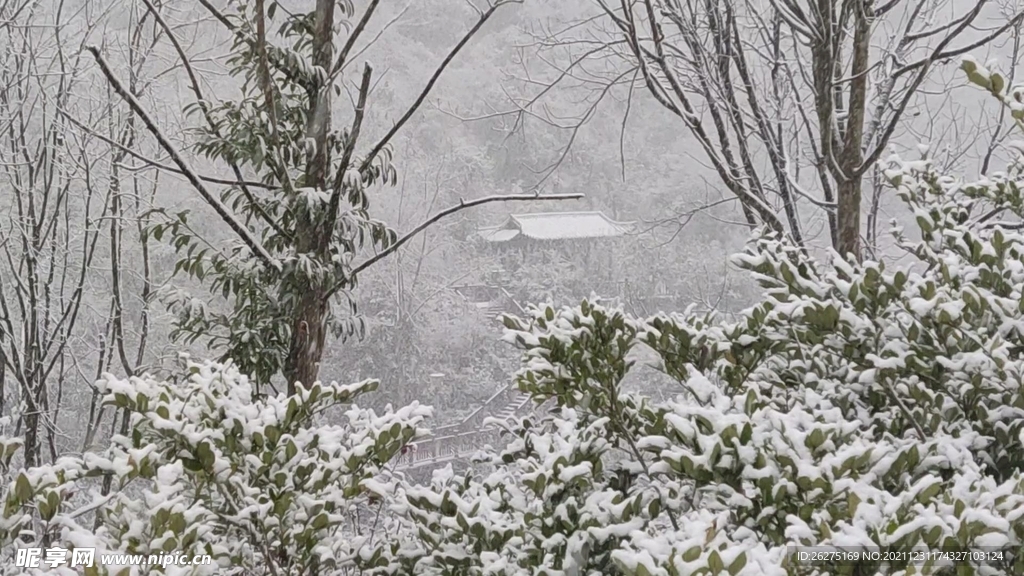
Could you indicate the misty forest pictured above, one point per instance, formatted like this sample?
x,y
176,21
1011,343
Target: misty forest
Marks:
x,y
512,287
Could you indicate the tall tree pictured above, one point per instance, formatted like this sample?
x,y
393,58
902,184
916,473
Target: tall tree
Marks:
x,y
304,219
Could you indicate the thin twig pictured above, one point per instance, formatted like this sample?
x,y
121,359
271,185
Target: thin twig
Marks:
x,y
433,80
155,164
257,249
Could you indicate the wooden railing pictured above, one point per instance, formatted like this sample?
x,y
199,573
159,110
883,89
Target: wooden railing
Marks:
x,y
461,440
440,449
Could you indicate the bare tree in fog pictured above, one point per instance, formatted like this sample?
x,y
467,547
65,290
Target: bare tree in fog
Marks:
x,y
63,186
782,96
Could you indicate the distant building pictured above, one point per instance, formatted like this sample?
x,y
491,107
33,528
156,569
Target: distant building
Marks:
x,y
554,227
544,237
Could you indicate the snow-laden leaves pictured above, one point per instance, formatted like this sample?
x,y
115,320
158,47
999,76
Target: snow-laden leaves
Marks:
x,y
312,226
854,406
259,485
745,463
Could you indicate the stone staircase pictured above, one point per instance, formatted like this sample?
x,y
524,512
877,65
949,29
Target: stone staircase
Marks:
x,y
492,310
494,301
516,402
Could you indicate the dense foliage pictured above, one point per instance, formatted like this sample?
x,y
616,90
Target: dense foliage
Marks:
x,y
313,225
854,406
209,470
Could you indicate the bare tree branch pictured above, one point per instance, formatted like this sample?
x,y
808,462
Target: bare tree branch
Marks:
x,y
433,80
339,64
350,145
222,211
153,163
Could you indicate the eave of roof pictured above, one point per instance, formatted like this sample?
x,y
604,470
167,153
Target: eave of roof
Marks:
x,y
499,235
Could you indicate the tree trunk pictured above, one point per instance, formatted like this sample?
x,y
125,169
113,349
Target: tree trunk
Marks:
x,y
852,155
848,241
309,329
32,438
309,319
319,117
33,395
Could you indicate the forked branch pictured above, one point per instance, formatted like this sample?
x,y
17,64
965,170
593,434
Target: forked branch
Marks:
x,y
243,233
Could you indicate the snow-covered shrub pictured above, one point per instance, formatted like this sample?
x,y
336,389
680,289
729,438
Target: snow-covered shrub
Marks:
x,y
855,406
259,485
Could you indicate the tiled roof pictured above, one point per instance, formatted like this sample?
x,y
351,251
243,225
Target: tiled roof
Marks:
x,y
556,226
